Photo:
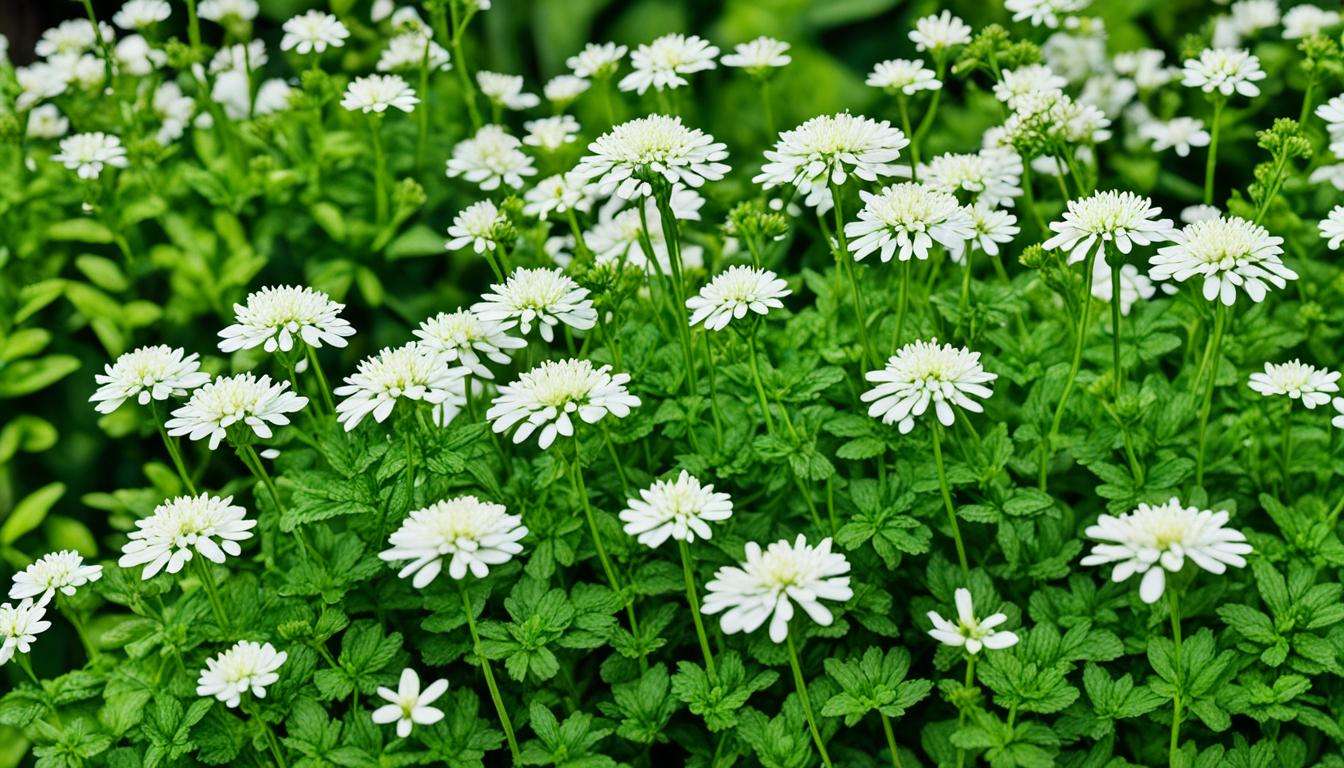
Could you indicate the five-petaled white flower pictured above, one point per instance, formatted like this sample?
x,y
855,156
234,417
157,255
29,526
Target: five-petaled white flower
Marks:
x,y
969,632
376,93
768,583
733,293
63,572
463,338
906,220
759,56
543,399
826,149
255,402
623,160
547,297
274,317
1299,381
681,509
924,373
147,373
247,666
313,32
19,627
182,527
1225,70
406,373
469,534
491,157
1121,219
662,63
408,705
1229,252
1153,540
88,153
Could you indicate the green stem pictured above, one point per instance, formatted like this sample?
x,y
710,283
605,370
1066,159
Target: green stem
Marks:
x,y
174,449
211,590
760,387
961,711
1174,601
460,61
379,170
964,300
1079,341
1117,371
936,432
72,615
801,685
902,106
1215,348
321,378
489,674
891,740
1211,163
901,304
694,601
844,262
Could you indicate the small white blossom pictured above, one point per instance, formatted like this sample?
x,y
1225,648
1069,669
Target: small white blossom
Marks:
x,y
597,60
619,160
1306,20
924,373
1229,252
1017,84
70,36
409,50
1043,13
409,373
560,193
551,133
769,582
408,705
88,153
491,157
1332,228
1252,16
506,90
1299,381
759,56
826,149
19,627
936,34
733,293
1193,213
1147,67
480,225
313,32
247,666
37,82
214,407
990,176
680,509
464,338
147,373
969,632
561,90
239,57
227,11
905,220
1121,219
993,227
1225,70
904,76
182,527
45,121
662,63
54,572
543,399
274,317
470,534
376,93
1180,133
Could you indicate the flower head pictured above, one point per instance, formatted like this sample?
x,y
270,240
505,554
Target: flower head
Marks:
x,y
732,293
1180,133
545,397
1332,228
924,373
597,60
506,90
662,63
147,373
463,337
1226,70
826,149
561,193
759,56
1306,20
1043,13
989,177
551,133
274,317
54,572
1153,540
993,227
1229,252
470,534
491,157
87,153
969,632
313,32
905,220
408,705
547,297
1019,84
45,121
622,160
409,372
1122,219
409,50
182,527
19,627
480,225
226,11
247,666
214,407
138,14
936,34
1299,381
376,93
680,509
561,90
766,586
904,76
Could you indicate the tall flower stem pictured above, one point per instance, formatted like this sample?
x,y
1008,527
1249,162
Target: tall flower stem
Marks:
x,y
489,675
321,378
756,380
961,711
936,435
901,304
174,449
103,50
211,591
77,621
248,455
694,601
422,114
845,263
1117,371
1173,600
1214,350
891,740
379,170
903,107
276,751
964,300
1211,163
460,61
1047,446
801,685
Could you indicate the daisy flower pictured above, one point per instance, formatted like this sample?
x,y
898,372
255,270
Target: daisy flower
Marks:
x,y
904,76
544,397
180,528
969,632
1146,67
923,373
45,121
662,63
733,293
19,627
138,14
1252,16
134,56
1313,386
147,373
547,297
470,534
826,149
54,572
37,82
1153,540
1229,253
376,93
244,399
1193,213
621,161
562,90
993,227
409,50
768,583
313,32
247,666
1122,219
935,34
274,317
990,177
1043,13
1226,70
463,338
87,153
70,36
396,374
551,133
759,56
681,509
490,158
227,11
1179,133
1016,84
506,90
597,60
480,225
408,705
905,220
1303,21
1332,228
561,193
1134,285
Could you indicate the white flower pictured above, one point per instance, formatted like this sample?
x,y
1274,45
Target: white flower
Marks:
x,y
1122,219
1134,285
506,90
560,193
1295,379
1332,112
1306,20
1193,213
991,176
491,157
231,90
563,89
406,373
375,93
1252,16
239,57
134,56
276,316
85,70
545,396
681,509
766,586
1332,228
619,160
19,627
662,63
46,122
1075,56
1226,70
1332,173
174,110
214,407
1338,421
936,34
1229,253
37,82
924,373
598,60
470,534
731,294
381,10
225,11
969,632
409,50
408,705
62,571
1180,133
551,133
247,666
545,296
1016,84
905,220
618,239
463,337
182,527
479,225
313,32
1154,540
827,149
905,76
70,36
1147,67
992,227
1045,13
759,56
147,373
88,153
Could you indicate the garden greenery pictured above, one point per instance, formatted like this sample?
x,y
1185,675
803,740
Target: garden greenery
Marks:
x,y
703,404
